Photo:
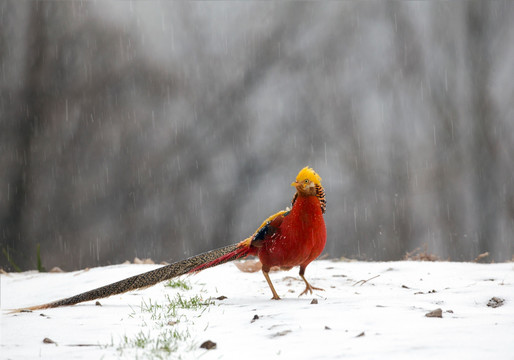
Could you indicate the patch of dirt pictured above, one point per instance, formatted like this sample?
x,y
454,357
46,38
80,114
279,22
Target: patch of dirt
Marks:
x,y
143,261
281,333
495,302
421,255
249,266
82,271
428,292
481,256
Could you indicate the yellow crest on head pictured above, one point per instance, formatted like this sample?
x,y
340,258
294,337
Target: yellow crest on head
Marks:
x,y
309,174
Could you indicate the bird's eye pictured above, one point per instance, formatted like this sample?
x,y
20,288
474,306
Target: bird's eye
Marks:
x,y
306,181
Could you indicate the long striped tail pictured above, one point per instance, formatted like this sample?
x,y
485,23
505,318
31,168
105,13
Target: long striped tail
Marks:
x,y
190,265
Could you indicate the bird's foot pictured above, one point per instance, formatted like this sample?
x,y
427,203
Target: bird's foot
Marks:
x,y
275,297
309,288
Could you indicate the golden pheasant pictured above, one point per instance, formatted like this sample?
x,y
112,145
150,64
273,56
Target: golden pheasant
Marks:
x,y
292,237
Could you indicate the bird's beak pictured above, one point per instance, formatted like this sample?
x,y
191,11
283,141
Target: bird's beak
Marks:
x,y
295,183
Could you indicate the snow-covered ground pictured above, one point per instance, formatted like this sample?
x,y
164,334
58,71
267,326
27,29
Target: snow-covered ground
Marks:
x,y
382,318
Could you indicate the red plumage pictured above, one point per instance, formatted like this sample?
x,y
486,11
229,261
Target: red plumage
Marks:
x,y
298,239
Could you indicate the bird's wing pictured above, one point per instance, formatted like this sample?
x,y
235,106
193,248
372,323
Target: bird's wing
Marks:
x,y
268,228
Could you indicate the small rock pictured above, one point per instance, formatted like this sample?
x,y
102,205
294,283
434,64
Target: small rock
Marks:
x,y
314,301
98,303
222,297
255,317
361,334
327,328
56,269
495,302
48,341
405,287
171,322
209,345
435,313
449,311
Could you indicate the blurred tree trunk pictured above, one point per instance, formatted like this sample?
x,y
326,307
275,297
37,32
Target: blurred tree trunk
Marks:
x,y
484,123
29,121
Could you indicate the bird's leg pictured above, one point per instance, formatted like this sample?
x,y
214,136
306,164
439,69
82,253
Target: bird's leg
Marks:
x,y
308,287
265,271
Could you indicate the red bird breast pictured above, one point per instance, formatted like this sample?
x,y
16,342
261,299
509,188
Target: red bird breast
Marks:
x,y
299,238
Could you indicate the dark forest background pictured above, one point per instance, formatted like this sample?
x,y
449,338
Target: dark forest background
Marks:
x,y
165,129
